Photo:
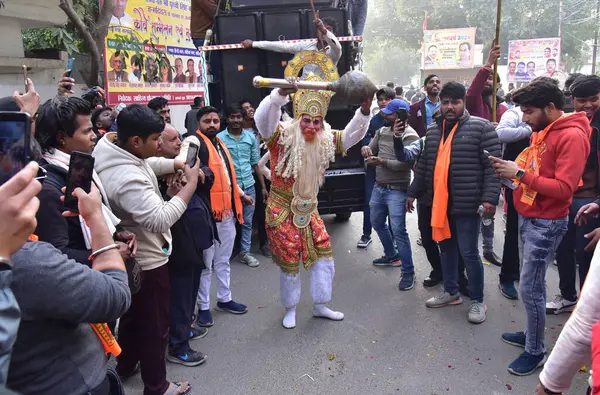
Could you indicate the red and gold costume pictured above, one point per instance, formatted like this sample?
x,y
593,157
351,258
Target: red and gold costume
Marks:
x,y
299,159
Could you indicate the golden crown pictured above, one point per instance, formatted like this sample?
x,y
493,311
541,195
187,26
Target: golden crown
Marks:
x,y
308,101
312,102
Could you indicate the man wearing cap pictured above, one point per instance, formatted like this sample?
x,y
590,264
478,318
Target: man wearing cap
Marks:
x,y
390,192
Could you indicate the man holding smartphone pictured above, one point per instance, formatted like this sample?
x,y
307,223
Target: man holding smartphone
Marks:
x,y
389,194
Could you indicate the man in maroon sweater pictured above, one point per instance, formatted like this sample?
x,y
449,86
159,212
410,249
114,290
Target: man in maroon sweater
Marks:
x,y
479,104
548,172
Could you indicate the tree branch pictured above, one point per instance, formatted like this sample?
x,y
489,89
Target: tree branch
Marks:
x,y
100,29
96,58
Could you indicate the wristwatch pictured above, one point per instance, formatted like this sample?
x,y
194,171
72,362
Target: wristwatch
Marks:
x,y
520,173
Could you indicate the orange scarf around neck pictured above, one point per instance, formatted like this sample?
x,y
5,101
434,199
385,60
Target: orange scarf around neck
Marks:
x,y
220,193
530,160
440,225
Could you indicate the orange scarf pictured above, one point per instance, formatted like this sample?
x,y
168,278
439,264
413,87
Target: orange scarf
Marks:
x,y
439,210
530,160
220,193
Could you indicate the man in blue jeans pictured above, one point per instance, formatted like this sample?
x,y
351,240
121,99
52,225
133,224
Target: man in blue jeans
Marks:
x,y
384,96
243,146
548,173
389,193
456,177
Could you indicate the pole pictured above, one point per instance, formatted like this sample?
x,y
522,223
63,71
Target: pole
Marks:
x,y
595,49
496,42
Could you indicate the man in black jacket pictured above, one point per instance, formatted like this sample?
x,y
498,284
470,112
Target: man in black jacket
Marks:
x,y
192,234
456,176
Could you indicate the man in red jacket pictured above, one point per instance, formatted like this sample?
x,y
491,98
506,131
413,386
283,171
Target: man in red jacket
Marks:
x,y
479,104
548,172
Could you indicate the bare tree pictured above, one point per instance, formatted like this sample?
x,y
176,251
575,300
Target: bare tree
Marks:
x,y
93,34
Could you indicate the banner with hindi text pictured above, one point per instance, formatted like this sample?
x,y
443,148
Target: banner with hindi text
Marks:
x,y
149,53
537,57
448,48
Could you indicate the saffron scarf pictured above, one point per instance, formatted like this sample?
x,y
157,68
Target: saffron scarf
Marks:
x,y
530,160
440,225
220,193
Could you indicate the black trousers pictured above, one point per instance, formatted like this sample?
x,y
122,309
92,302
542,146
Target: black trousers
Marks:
x,y
510,256
260,207
432,249
185,281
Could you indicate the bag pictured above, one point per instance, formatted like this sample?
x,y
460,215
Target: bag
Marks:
x,y
135,275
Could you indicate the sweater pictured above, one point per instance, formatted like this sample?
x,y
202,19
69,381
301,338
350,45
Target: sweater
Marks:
x,y
565,152
57,351
471,178
392,172
475,103
134,195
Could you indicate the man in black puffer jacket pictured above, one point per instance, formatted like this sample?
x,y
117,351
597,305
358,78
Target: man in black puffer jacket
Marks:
x,y
456,177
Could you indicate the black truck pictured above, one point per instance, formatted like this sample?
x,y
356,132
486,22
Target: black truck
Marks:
x,y
233,70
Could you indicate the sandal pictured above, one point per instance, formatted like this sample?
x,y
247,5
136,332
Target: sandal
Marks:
x,y
176,386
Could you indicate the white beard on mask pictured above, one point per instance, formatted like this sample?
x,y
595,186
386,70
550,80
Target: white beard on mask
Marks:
x,y
305,161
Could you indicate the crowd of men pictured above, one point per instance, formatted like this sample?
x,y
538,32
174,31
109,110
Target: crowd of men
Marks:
x,y
143,245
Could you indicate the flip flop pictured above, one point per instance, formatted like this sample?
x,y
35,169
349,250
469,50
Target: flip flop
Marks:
x,y
175,387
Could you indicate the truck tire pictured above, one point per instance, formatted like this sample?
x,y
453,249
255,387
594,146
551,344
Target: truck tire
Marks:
x,y
343,217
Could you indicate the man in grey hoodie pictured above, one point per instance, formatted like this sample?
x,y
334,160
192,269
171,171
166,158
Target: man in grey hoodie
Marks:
x,y
389,194
129,178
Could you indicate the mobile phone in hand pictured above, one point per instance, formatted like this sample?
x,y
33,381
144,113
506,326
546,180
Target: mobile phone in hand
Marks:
x,y
81,168
487,153
70,67
192,155
15,135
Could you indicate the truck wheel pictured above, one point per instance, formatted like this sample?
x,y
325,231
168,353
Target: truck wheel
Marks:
x,y
343,217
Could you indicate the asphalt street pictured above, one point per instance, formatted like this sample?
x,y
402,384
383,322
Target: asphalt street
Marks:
x,y
388,343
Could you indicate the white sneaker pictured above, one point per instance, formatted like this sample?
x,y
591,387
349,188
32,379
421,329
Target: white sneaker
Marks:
x,y
560,305
477,312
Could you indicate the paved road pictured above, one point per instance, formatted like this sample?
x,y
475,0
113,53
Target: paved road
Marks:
x,y
389,343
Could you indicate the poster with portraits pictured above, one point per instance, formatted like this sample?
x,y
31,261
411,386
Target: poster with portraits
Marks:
x,y
171,66
448,48
537,57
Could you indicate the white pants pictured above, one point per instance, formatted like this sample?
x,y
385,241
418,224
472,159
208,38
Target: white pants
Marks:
x,y
217,258
321,278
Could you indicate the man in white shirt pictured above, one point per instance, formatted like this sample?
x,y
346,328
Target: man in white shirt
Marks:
x,y
327,41
119,16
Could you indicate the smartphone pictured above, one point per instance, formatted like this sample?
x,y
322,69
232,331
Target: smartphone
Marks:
x,y
402,115
71,67
192,155
25,77
486,153
81,168
15,135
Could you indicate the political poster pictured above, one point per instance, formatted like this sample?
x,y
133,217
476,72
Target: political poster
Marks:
x,y
149,53
537,57
448,48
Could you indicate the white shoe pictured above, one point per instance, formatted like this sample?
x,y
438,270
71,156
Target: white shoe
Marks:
x,y
560,305
289,320
322,311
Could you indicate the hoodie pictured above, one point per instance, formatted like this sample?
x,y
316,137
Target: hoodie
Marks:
x,y
134,195
567,146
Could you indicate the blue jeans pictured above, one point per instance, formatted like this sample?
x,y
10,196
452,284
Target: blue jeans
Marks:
x,y
538,241
572,250
246,238
390,202
369,184
358,15
464,240
487,234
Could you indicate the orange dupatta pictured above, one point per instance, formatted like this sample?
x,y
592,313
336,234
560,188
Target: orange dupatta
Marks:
x,y
439,210
220,194
530,160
